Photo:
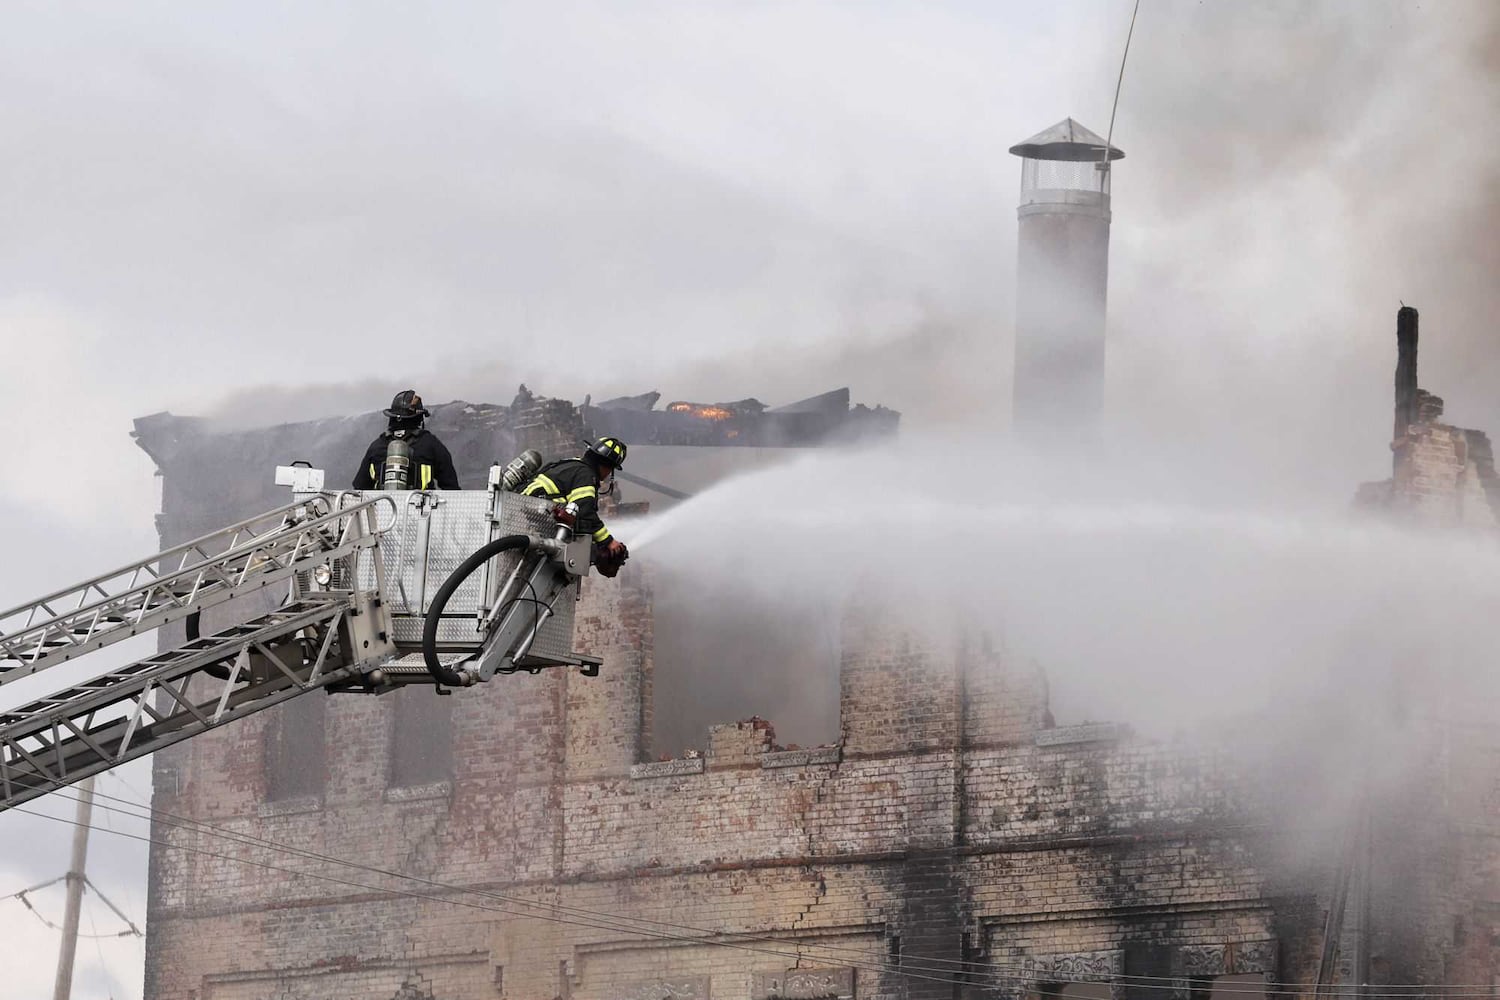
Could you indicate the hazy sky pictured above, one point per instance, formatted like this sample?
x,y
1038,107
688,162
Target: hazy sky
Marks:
x,y
271,211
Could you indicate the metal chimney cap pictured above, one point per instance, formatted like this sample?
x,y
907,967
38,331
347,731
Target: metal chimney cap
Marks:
x,y
1067,140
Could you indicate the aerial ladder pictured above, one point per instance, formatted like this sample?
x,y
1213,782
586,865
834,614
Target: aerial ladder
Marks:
x,y
356,592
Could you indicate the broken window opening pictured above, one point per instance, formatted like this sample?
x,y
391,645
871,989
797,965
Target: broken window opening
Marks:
x,y
421,738
728,650
296,757
1243,987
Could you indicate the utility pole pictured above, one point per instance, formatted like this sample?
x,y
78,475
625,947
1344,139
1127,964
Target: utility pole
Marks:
x,y
76,880
1363,899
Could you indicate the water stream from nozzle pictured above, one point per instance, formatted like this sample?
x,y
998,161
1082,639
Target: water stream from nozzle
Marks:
x,y
1163,614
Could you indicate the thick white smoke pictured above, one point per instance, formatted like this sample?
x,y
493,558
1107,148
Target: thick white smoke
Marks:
x,y
1147,598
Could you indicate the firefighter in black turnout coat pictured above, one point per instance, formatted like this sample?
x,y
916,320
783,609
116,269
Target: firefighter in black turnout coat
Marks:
x,y
431,465
579,481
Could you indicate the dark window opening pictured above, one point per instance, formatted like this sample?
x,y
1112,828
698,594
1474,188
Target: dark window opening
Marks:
x,y
1043,991
1086,991
421,738
295,751
728,643
1246,987
726,650
1070,991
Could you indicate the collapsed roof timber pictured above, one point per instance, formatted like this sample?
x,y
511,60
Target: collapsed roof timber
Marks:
x,y
822,419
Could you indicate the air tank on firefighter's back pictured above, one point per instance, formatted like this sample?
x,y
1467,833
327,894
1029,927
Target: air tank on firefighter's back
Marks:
x,y
521,470
397,465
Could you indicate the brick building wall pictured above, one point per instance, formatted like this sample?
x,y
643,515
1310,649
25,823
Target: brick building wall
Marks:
x,y
1435,828
1049,851
1443,476
954,843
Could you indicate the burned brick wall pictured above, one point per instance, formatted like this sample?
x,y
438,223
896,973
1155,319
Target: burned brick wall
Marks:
x,y
953,843
1441,475
1434,872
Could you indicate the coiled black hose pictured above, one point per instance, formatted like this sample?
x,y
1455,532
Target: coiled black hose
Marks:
x,y
482,555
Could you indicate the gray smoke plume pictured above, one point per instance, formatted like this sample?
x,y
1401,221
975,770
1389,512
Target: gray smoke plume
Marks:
x,y
275,213
1292,172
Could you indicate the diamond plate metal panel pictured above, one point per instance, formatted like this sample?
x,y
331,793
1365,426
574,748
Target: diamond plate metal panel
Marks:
x,y
403,575
554,643
454,633
458,526
425,542
533,516
426,538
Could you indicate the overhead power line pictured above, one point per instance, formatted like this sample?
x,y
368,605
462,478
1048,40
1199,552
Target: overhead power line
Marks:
x,y
1109,137
940,970
22,896
593,925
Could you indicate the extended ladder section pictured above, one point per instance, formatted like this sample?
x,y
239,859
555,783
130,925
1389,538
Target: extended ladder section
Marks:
x,y
351,571
148,704
249,556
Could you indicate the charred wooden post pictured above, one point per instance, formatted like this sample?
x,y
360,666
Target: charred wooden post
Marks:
x,y
1406,370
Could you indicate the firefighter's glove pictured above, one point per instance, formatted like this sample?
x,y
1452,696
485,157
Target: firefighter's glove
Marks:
x,y
610,556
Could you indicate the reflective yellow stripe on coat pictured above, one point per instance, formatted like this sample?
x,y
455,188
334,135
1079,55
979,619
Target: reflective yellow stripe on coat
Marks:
x,y
542,486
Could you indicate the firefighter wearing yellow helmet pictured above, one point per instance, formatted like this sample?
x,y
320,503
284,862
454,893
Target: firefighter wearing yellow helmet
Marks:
x,y
581,481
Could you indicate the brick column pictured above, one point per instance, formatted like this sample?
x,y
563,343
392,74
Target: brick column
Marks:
x,y
902,694
897,692
609,721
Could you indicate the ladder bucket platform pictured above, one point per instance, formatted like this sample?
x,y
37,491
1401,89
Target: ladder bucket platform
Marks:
x,y
360,572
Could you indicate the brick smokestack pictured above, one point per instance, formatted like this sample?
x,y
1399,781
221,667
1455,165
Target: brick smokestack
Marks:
x,y
1062,265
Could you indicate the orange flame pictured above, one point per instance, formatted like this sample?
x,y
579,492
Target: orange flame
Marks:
x,y
698,410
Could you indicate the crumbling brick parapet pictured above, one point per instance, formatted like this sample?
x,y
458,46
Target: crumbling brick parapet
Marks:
x,y
740,744
1441,475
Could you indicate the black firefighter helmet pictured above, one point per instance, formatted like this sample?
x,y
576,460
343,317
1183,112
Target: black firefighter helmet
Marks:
x,y
610,451
406,406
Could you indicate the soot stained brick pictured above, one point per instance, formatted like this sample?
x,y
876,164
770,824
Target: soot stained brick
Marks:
x,y
941,850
